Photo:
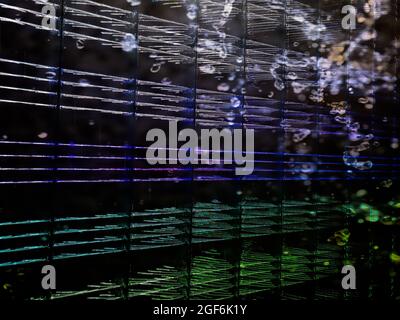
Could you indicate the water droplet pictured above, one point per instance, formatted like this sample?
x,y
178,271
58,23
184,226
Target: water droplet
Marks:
x,y
134,3
192,11
80,44
348,159
166,81
395,143
84,83
301,135
387,183
235,102
50,74
354,126
363,100
365,165
129,42
292,76
223,87
279,85
43,135
209,69
155,67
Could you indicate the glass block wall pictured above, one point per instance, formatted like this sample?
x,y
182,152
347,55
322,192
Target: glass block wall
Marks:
x,y
78,97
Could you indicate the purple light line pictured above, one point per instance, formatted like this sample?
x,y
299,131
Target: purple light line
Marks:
x,y
126,147
203,178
